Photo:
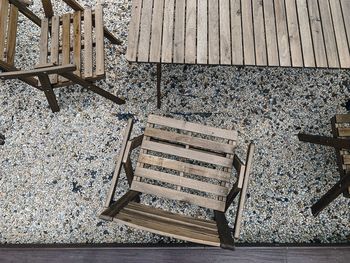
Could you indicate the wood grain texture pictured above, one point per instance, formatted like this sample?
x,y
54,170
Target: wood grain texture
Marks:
x,y
157,30
282,33
271,35
12,35
134,30
4,9
236,31
179,32
168,30
213,32
145,31
225,32
191,32
248,33
202,32
259,33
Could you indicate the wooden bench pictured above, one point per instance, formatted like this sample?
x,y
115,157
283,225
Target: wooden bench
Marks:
x,y
341,143
186,162
276,33
68,54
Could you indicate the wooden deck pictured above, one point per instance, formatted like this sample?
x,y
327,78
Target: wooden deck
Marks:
x,y
106,254
287,33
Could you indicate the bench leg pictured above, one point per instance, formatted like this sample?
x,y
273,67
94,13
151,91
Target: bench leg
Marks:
x,y
331,195
159,77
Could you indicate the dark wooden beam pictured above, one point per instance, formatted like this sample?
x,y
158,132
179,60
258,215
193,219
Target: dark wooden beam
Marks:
x,y
323,140
225,233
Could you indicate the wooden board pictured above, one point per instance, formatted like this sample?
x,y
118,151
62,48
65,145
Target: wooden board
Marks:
x,y
295,33
12,35
4,9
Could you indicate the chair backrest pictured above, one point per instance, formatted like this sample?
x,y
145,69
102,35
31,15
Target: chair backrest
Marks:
x,y
185,161
8,31
341,129
69,40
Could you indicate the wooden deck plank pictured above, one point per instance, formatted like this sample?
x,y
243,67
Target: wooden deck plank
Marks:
x,y
145,33
294,34
271,34
248,33
88,55
202,32
282,33
179,32
305,34
328,33
340,33
168,30
259,33
184,167
77,42
4,9
213,31
317,35
181,181
176,195
236,32
191,32
156,33
225,32
12,35
100,49
193,127
134,30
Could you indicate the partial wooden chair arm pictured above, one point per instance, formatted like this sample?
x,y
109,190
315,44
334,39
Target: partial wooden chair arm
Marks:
x,y
337,143
119,163
236,188
38,71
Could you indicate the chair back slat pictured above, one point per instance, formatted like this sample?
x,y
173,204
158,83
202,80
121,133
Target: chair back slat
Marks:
x,y
4,10
100,50
185,161
12,35
44,41
77,41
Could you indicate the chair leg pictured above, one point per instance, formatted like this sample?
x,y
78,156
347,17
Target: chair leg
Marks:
x,y
159,78
331,195
50,95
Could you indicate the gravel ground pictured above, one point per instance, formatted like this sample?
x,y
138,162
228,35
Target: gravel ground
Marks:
x,y
55,169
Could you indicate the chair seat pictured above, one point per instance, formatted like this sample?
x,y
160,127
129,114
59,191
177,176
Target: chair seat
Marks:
x,y
169,224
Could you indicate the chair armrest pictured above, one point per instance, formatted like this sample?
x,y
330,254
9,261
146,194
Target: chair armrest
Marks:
x,y
132,145
119,163
38,71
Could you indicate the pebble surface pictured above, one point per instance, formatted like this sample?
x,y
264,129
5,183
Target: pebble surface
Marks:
x,y
55,169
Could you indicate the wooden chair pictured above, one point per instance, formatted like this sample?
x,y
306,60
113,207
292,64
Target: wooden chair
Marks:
x,y
68,54
341,144
186,162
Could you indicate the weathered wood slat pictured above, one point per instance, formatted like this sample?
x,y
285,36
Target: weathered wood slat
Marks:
x,y
271,35
345,4
342,118
184,167
179,196
100,49
88,55
181,181
168,30
305,34
282,33
4,9
340,34
317,35
248,33
134,30
145,33
236,31
193,127
202,32
44,41
190,140
343,132
55,41
65,42
294,34
163,228
77,41
12,35
213,32
328,33
179,32
183,219
259,33
191,32
156,33
187,153
225,32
